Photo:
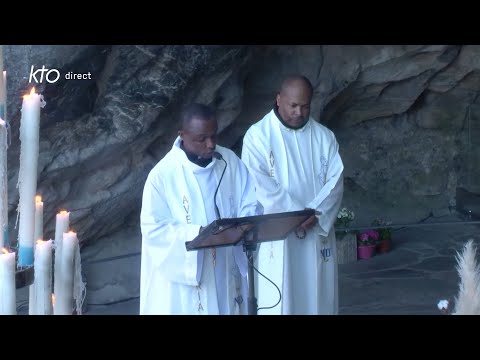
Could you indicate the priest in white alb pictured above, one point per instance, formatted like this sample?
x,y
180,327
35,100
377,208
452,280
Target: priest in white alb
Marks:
x,y
178,201
296,165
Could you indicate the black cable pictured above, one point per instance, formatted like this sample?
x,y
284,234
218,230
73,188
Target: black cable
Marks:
x,y
279,292
218,186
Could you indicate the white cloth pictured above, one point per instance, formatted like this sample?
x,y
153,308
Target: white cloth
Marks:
x,y
294,170
177,200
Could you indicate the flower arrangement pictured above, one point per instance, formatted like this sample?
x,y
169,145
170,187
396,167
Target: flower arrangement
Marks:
x,y
344,217
369,237
381,226
346,243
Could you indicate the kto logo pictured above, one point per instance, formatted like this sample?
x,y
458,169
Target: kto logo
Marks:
x,y
51,75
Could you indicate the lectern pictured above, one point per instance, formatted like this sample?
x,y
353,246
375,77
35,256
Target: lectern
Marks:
x,y
249,231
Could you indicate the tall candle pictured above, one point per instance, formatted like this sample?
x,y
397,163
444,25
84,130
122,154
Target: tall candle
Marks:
x,y
32,308
3,88
27,177
5,229
62,222
42,292
3,155
64,281
33,301
8,298
3,184
4,95
38,218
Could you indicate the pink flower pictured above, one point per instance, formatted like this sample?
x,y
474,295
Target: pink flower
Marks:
x,y
368,237
363,237
372,234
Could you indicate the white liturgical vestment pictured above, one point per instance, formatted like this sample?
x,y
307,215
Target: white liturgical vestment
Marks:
x,y
178,198
294,170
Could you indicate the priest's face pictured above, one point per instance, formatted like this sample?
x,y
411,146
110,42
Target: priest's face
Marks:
x,y
294,104
200,137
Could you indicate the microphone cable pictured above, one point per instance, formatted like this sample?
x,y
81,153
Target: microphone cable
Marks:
x,y
218,156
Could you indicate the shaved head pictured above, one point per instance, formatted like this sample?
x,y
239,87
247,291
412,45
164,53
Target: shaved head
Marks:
x,y
295,80
293,100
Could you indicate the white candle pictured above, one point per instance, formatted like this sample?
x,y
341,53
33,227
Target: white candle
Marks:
x,y
38,218
3,183
3,155
42,291
8,298
3,95
27,177
32,307
4,228
3,88
64,281
62,222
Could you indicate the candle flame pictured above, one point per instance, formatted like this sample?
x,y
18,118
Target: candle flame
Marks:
x,y
32,92
38,198
63,212
53,299
5,251
39,241
71,232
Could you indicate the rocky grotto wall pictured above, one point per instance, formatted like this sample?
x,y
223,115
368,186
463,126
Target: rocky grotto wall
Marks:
x,y
407,119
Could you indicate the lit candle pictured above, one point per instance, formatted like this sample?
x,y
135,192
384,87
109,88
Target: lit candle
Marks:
x,y
3,88
64,281
62,222
5,199
38,218
27,177
3,156
3,184
8,305
42,292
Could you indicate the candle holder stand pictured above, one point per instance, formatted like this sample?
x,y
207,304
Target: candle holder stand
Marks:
x,y
24,276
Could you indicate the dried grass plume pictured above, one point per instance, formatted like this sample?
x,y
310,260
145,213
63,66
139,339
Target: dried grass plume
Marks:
x,y
467,301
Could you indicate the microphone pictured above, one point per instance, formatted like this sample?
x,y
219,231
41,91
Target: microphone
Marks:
x,y
218,156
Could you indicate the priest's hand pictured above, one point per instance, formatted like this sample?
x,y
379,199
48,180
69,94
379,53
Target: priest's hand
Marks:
x,y
310,222
301,230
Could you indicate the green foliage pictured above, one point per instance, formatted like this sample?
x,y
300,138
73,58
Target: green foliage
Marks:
x,y
381,226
